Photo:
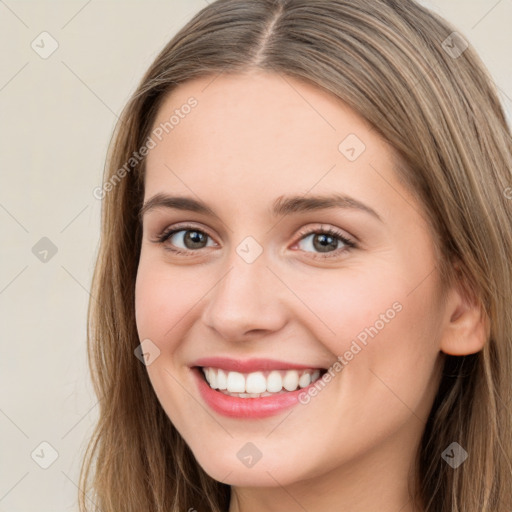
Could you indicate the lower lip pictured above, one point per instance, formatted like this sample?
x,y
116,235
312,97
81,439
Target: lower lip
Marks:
x,y
235,407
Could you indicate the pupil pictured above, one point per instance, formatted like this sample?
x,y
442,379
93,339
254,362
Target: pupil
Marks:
x,y
324,238
194,237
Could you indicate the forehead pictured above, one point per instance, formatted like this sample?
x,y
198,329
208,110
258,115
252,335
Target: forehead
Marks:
x,y
258,112
250,138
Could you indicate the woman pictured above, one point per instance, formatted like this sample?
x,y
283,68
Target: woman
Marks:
x,y
302,296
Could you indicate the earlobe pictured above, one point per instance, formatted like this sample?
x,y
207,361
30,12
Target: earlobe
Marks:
x,y
467,328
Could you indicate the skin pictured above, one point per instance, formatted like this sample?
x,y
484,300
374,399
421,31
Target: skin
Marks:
x,y
252,138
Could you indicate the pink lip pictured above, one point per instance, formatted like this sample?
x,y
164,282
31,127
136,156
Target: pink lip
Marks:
x,y
234,407
249,365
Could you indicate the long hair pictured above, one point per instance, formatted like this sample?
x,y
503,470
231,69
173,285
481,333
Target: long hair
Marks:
x,y
401,68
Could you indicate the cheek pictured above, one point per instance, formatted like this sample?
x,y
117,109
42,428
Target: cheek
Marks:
x,y
162,299
376,323
350,305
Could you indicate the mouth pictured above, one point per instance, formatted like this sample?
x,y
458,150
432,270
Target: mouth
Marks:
x,y
259,384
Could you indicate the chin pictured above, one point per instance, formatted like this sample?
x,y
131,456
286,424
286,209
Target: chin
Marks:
x,y
226,468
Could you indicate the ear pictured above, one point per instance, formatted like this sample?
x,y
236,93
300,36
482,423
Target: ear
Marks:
x,y
467,327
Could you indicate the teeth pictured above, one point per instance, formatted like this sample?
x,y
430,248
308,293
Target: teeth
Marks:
x,y
257,384
291,380
305,380
236,382
274,382
212,375
222,379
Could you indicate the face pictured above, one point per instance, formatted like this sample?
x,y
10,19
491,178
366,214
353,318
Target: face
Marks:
x,y
350,288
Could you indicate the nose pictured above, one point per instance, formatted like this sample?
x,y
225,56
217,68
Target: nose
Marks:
x,y
248,300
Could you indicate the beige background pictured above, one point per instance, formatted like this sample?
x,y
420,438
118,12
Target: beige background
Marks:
x,y
57,115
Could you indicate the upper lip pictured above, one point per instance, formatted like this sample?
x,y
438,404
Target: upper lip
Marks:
x,y
250,365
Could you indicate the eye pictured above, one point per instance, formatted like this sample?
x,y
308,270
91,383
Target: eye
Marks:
x,y
326,241
192,238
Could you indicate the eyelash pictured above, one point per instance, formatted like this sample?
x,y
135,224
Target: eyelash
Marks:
x,y
349,244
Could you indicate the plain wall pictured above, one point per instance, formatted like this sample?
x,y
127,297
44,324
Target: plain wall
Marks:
x,y
57,115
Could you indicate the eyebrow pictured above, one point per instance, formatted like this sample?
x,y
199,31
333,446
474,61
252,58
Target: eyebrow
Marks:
x,y
282,206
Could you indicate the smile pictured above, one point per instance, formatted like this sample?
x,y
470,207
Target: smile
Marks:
x,y
260,383
251,389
